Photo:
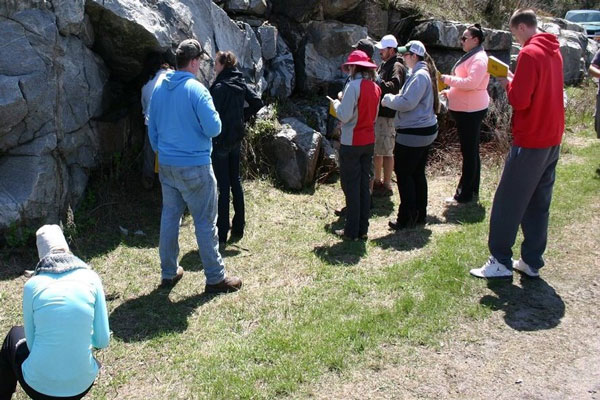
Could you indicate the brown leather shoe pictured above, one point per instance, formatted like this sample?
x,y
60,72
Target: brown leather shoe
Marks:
x,y
227,285
173,281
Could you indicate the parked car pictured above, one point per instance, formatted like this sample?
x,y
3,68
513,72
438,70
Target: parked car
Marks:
x,y
589,19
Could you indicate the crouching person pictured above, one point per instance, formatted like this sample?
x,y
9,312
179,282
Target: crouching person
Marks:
x,y
64,313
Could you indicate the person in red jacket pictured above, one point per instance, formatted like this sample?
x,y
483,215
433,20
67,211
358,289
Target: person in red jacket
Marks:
x,y
524,192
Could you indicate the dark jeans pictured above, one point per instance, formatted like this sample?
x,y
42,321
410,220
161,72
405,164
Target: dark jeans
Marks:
x,y
12,355
409,166
468,125
226,164
523,198
355,174
149,158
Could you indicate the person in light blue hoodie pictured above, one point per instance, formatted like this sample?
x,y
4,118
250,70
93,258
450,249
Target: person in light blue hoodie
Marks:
x,y
181,124
65,316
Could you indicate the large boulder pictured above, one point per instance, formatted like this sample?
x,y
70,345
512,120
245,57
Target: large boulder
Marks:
x,y
280,72
253,7
126,30
299,10
52,87
9,7
326,46
295,151
576,49
334,9
447,34
562,24
69,15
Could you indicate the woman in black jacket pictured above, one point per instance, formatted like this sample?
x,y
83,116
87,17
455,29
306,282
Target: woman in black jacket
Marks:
x,y
235,103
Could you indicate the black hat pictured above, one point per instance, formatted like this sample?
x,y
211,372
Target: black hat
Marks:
x,y
365,45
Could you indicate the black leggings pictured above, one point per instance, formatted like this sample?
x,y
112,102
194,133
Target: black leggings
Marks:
x,y
12,355
409,165
468,125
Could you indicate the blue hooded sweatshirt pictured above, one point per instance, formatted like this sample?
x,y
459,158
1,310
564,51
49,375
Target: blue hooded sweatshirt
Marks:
x,y
182,121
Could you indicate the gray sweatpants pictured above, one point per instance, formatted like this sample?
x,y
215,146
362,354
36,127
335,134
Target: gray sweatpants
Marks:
x,y
523,198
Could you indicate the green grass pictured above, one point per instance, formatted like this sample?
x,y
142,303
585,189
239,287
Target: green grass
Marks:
x,y
311,305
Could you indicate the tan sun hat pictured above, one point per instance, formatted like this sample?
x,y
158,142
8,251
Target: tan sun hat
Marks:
x,y
50,239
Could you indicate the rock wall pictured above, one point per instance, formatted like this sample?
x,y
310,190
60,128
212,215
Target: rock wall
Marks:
x,y
51,87
70,73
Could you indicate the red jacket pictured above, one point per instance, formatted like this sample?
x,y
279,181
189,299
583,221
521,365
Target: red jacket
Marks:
x,y
536,94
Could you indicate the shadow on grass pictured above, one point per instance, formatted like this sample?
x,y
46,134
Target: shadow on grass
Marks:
x,y
342,253
191,261
405,240
382,206
532,307
469,213
117,205
14,262
153,315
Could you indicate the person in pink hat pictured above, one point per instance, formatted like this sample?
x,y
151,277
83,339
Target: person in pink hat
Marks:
x,y
357,111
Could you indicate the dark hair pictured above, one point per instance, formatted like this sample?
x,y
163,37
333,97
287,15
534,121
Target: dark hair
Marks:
x,y
366,72
524,16
226,58
476,32
154,61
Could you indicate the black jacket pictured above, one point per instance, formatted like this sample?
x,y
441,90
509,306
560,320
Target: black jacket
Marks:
x,y
391,75
236,103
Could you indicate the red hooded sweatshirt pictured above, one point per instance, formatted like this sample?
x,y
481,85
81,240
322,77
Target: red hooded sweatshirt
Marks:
x,y
536,94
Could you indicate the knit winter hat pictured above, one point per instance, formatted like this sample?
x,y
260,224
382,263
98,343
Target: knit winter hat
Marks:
x,y
50,239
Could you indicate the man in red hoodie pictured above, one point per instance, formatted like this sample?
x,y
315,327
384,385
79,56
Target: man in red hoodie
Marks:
x,y
524,192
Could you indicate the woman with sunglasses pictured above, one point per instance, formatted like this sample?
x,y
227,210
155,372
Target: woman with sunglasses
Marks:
x,y
416,129
468,102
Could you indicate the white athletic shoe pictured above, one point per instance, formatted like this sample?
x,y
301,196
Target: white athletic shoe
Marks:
x,y
451,201
525,269
492,269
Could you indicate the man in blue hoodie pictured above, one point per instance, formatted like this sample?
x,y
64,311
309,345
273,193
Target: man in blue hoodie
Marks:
x,y
182,122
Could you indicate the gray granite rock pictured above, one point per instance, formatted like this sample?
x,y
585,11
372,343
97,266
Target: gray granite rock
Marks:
x,y
327,44
296,149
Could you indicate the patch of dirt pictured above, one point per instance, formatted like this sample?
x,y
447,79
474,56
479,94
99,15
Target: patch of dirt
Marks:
x,y
541,341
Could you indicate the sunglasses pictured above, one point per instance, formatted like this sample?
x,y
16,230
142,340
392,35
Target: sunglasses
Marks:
x,y
464,38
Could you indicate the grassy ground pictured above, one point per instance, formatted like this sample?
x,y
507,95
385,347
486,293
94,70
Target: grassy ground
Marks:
x,y
312,305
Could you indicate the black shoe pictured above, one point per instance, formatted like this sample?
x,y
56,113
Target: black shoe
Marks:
x,y
340,212
399,225
236,236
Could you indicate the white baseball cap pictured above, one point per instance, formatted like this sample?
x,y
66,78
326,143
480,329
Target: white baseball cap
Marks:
x,y
414,46
387,41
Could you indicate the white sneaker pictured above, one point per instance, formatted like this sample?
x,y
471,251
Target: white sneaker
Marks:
x,y
525,269
492,269
450,201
